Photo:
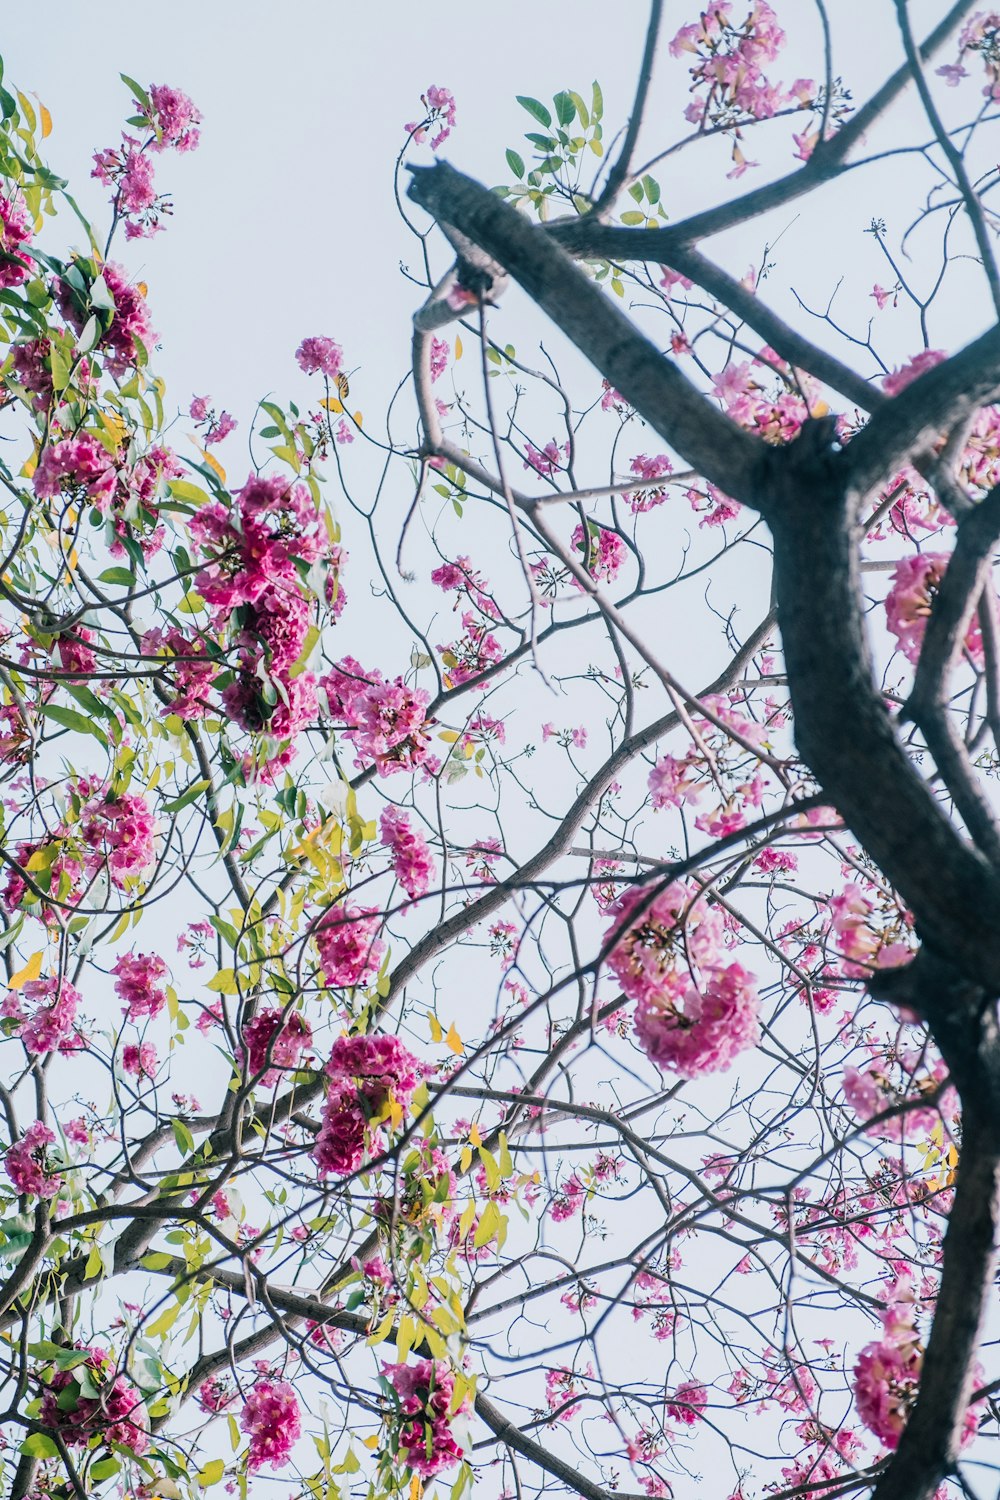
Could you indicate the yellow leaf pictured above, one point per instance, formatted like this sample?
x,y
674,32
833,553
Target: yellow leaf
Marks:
x,y
142,288
330,403
213,463
435,1025
357,418
371,1443
475,1139
416,1487
449,735
31,970
212,1472
454,1041
46,120
458,348
466,1160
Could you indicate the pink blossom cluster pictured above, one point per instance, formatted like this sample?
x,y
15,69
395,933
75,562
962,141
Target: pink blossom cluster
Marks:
x,y
319,355
412,862
119,833
871,1091
560,1389
695,1011
273,1043
116,1415
980,34
866,939
16,232
687,1403
171,120
129,333
460,577
51,1026
79,467
730,52
251,584
775,410
898,380
191,670
475,651
385,720
217,425
439,104
649,469
27,1163
272,1420
137,977
140,1059
547,460
425,1393
887,1372
915,581
603,551
364,1073
71,652
673,782
349,950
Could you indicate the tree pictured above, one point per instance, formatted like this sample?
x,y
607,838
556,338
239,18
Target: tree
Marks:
x,y
446,1043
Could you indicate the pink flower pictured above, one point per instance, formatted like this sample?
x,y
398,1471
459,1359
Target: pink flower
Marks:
x,y
115,1415
424,1393
872,1091
547,460
140,1059
15,231
411,859
603,551
387,721
136,983
687,1403
349,951
440,354
672,782
51,1027
365,1073
273,1043
649,469
130,330
80,467
26,1163
273,1422
440,106
908,604
217,427
174,118
320,355
700,1030
899,379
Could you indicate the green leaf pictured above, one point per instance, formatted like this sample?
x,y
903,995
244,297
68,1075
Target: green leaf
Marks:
x,y
191,795
516,163
212,1472
581,108
597,106
90,335
535,109
120,577
37,1445
70,719
183,1136
138,92
633,216
565,107
104,1468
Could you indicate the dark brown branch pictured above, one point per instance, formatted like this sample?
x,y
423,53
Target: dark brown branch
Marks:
x,y
683,417
842,727
620,171
967,574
